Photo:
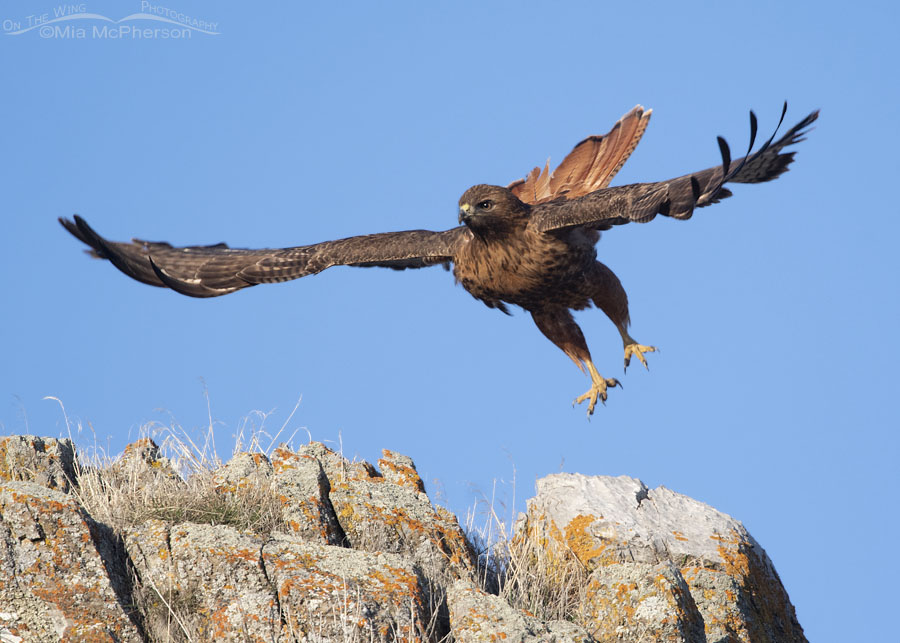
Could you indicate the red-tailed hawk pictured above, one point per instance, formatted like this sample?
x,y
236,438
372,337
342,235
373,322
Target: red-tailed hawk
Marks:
x,y
530,244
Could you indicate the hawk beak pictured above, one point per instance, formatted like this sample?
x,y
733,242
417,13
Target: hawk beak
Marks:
x,y
465,211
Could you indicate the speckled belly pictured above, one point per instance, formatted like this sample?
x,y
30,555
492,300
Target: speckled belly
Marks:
x,y
531,270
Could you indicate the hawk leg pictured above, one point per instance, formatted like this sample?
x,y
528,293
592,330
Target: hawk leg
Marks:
x,y
609,296
559,327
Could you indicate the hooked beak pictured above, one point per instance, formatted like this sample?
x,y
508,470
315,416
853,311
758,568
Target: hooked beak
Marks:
x,y
465,212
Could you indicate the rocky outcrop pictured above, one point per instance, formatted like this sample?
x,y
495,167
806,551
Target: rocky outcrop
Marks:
x,y
55,583
478,616
358,553
46,461
662,565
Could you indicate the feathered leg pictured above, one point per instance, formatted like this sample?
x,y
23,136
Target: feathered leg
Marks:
x,y
609,296
559,327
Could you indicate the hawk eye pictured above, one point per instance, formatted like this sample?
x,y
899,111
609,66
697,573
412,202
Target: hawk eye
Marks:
x,y
487,204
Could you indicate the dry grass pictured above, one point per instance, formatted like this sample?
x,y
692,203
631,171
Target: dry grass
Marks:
x,y
526,567
176,485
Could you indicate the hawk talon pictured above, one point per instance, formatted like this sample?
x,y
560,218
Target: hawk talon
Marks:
x,y
597,392
638,349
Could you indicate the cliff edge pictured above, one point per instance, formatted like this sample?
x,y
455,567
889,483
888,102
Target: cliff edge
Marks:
x,y
304,545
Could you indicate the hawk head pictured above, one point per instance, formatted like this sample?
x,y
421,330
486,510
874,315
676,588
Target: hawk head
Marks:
x,y
485,208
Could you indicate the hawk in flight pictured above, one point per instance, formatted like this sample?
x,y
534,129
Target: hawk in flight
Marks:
x,y
530,244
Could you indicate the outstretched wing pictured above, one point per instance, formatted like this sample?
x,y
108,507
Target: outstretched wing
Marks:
x,y
590,166
210,271
677,198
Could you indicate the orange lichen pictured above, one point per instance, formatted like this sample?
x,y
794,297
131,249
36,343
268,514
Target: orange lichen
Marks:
x,y
734,561
402,474
581,542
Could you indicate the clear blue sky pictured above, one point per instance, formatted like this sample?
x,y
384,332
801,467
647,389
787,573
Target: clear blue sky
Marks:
x,y
774,396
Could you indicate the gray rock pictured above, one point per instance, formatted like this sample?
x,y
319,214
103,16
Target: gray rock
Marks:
x,y
332,593
642,602
304,491
608,522
204,582
143,459
477,617
362,554
242,471
44,461
392,513
54,585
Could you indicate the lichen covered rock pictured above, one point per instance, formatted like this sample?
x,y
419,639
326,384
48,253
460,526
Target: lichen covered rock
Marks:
x,y
304,491
642,601
622,532
206,582
391,512
308,546
334,593
479,617
54,584
45,461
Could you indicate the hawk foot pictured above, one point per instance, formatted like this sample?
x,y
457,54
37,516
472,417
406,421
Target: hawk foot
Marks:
x,y
637,350
597,392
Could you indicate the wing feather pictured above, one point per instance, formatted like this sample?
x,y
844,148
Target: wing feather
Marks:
x,y
211,271
590,166
676,198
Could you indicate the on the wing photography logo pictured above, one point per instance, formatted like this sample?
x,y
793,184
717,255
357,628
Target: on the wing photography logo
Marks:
x,y
75,22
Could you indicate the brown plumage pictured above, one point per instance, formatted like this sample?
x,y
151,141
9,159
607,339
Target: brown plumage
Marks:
x,y
590,165
530,244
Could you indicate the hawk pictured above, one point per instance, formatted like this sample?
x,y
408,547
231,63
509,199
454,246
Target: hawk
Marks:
x,y
529,244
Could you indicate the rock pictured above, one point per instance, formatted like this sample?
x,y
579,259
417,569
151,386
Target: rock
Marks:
x,y
622,532
476,616
304,490
332,593
206,582
215,583
242,471
392,513
309,546
45,461
640,601
143,459
54,584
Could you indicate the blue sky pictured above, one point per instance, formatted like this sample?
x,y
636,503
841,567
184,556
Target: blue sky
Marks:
x,y
776,311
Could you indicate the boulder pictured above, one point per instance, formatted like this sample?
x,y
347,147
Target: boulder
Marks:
x,y
643,547
203,582
310,546
304,490
479,617
391,512
330,593
54,583
45,461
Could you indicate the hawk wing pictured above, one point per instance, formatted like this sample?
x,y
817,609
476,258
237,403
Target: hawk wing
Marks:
x,y
590,166
210,271
677,198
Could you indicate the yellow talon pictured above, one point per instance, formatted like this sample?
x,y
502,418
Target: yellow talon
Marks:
x,y
638,350
599,384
